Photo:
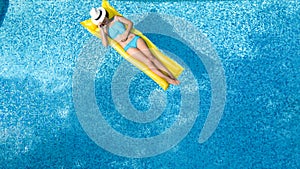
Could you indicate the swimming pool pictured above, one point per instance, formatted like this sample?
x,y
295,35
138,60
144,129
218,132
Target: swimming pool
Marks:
x,y
255,44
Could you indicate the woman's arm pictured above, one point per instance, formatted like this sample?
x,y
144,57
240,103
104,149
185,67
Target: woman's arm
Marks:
x,y
129,26
103,35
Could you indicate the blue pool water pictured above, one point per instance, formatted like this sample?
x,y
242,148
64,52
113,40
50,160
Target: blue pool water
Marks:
x,y
50,68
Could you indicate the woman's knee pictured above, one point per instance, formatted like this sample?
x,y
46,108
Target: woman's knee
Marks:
x,y
152,58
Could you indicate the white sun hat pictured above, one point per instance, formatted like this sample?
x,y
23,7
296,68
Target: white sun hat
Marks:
x,y
97,15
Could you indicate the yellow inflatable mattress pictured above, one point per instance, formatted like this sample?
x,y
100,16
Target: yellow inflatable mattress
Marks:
x,y
170,64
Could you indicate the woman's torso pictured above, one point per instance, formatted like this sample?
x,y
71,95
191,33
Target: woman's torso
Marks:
x,y
116,29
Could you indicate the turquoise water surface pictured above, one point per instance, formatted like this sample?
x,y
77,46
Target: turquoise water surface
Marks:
x,y
68,102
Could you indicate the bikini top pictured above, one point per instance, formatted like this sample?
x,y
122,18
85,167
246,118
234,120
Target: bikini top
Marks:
x,y
116,29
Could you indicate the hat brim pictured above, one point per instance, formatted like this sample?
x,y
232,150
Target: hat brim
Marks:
x,y
98,21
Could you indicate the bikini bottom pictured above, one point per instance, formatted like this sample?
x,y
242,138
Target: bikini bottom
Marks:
x,y
132,43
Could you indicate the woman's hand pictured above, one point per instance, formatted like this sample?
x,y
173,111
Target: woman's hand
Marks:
x,y
124,37
101,26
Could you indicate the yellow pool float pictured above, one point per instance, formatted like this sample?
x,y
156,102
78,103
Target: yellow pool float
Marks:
x,y
170,64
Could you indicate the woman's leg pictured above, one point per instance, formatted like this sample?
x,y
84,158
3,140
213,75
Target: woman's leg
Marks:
x,y
140,56
142,46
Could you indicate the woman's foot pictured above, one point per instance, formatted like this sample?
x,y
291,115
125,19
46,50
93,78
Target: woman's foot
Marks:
x,y
173,81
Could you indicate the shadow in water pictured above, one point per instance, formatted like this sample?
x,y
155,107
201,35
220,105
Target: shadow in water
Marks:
x,y
3,9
